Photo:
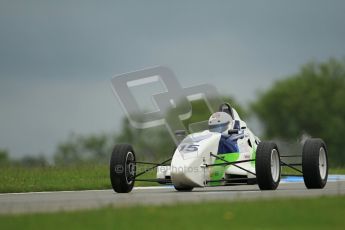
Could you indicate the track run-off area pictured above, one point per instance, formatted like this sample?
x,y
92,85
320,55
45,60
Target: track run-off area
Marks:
x,y
156,195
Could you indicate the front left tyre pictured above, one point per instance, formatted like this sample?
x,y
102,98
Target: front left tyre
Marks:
x,y
267,166
122,168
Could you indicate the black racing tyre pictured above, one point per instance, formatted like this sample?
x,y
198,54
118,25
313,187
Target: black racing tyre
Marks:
x,y
315,163
267,166
183,189
122,168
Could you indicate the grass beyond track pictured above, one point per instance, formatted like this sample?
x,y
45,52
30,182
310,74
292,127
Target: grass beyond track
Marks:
x,y
311,213
32,179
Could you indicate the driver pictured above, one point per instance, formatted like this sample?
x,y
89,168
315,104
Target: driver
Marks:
x,y
220,122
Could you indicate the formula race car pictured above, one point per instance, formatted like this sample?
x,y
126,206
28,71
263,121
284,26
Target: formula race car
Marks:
x,y
228,153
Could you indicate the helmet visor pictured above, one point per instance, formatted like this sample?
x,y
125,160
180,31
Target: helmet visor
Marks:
x,y
218,128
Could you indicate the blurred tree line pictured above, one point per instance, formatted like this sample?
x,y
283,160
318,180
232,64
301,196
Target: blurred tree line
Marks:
x,y
310,102
28,161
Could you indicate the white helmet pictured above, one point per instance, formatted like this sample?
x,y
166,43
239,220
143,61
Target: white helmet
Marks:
x,y
219,122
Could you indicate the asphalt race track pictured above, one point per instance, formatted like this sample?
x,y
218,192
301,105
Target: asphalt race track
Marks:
x,y
74,200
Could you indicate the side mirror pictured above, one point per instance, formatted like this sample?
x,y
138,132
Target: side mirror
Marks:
x,y
232,131
180,133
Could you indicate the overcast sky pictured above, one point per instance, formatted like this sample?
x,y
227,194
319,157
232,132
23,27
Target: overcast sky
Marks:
x,y
57,57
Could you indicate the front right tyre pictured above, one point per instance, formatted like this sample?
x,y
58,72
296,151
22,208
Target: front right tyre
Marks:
x,y
267,166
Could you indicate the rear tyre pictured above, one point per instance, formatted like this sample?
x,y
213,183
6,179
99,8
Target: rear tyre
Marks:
x,y
183,189
315,163
122,168
267,166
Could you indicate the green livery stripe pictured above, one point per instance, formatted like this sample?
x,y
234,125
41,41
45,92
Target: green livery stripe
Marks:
x,y
218,172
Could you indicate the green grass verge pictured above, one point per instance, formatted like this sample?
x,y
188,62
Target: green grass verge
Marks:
x,y
33,179
286,170
337,171
311,213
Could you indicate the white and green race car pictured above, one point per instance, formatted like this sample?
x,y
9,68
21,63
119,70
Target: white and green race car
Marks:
x,y
228,153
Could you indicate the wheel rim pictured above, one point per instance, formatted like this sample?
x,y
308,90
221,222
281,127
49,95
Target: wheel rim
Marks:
x,y
322,163
130,168
275,165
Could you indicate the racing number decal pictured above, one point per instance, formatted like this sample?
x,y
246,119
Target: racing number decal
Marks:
x,y
189,148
